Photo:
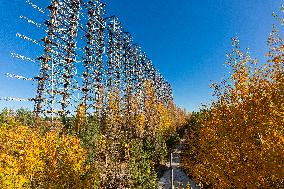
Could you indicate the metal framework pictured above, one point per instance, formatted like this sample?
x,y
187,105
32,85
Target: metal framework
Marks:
x,y
86,56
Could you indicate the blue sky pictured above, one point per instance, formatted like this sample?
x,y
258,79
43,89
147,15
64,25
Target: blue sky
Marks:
x,y
187,40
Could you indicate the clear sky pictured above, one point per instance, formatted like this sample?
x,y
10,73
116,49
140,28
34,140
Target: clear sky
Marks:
x,y
186,39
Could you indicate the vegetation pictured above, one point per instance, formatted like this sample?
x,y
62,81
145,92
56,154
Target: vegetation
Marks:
x,y
119,151
238,142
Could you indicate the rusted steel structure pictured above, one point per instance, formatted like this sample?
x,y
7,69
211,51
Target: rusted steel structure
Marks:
x,y
86,56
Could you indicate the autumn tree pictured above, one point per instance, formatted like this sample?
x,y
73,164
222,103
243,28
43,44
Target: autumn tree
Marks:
x,y
29,159
240,139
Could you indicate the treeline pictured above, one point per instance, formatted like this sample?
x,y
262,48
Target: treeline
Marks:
x,y
120,150
238,141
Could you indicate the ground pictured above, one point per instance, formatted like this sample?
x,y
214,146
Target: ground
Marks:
x,y
180,177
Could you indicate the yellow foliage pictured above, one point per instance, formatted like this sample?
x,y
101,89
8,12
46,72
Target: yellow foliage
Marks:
x,y
165,120
31,160
240,142
80,118
113,118
161,117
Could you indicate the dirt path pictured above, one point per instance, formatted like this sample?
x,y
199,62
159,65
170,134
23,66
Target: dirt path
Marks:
x,y
180,178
